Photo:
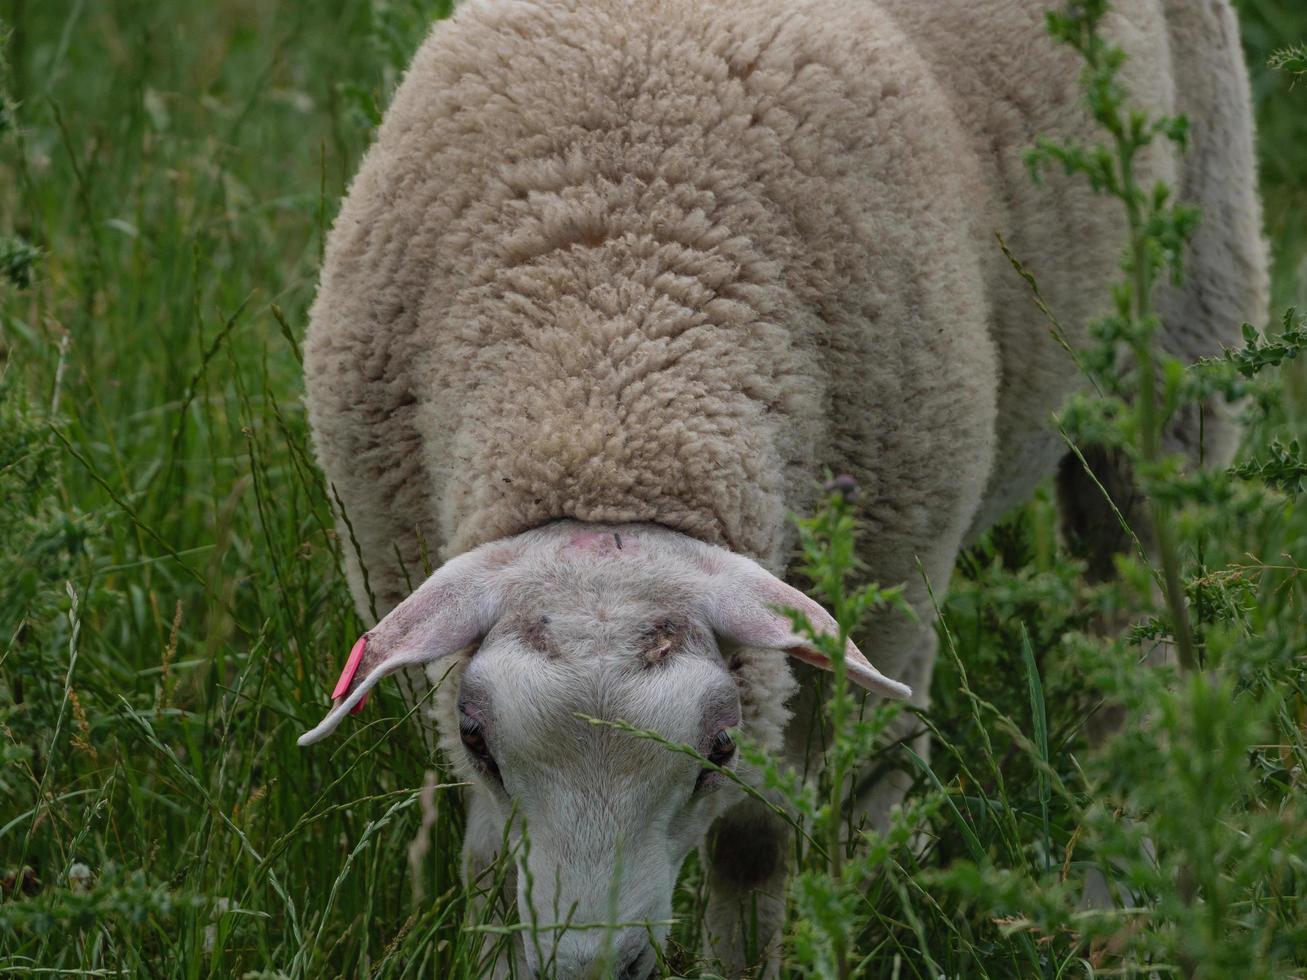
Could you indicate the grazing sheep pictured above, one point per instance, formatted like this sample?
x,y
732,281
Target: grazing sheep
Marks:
x,y
616,283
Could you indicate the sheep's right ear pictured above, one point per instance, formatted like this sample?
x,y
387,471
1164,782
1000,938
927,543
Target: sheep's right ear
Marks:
x,y
449,611
743,601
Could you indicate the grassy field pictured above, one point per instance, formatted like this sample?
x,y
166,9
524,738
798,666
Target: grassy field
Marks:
x,y
171,609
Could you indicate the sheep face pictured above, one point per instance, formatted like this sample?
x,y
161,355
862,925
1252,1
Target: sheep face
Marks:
x,y
596,655
608,815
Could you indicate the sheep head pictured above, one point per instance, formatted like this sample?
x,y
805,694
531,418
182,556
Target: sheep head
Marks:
x,y
577,627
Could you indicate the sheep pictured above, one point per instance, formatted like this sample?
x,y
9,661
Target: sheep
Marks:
x,y
616,282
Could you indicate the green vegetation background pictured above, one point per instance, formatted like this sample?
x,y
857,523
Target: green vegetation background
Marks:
x,y
171,613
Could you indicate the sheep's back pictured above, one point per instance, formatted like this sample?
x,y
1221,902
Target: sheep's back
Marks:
x,y
658,261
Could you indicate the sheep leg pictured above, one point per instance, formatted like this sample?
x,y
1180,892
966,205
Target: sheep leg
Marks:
x,y
1103,515
883,783
746,855
748,850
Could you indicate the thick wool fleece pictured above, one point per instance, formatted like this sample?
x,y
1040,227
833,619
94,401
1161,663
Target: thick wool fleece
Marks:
x,y
667,260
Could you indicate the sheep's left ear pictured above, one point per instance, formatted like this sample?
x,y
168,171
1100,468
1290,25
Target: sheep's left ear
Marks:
x,y
742,603
449,611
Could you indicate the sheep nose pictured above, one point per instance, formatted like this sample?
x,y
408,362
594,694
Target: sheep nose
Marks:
x,y
637,964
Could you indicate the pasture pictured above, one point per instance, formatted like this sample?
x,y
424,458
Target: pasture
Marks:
x,y
173,614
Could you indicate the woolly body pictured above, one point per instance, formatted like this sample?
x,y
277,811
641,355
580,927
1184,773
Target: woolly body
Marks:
x,y
668,261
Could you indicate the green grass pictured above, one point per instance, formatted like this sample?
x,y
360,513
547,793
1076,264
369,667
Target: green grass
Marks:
x,y
172,614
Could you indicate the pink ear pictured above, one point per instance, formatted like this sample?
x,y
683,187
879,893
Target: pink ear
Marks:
x,y
449,611
347,675
742,605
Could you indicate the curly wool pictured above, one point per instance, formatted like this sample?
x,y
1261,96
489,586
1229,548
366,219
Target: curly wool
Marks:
x,y
667,261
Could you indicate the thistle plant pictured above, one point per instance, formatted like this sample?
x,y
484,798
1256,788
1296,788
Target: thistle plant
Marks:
x,y
1196,834
18,259
1158,230
827,889
1292,59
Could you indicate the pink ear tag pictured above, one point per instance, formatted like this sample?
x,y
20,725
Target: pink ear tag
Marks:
x,y
347,675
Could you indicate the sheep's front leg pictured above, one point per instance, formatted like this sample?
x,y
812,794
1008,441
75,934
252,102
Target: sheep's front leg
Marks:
x,y
747,860
747,854
748,851
884,781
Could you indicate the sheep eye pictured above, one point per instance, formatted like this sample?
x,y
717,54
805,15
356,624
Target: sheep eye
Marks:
x,y
723,749
474,740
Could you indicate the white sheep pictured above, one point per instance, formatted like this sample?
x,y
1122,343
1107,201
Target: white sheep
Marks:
x,y
616,283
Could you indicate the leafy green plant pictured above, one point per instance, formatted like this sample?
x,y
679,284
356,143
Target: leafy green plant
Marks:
x,y
17,260
1199,852
1292,59
828,888
1158,232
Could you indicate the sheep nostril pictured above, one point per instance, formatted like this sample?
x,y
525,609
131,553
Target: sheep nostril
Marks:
x,y
637,966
